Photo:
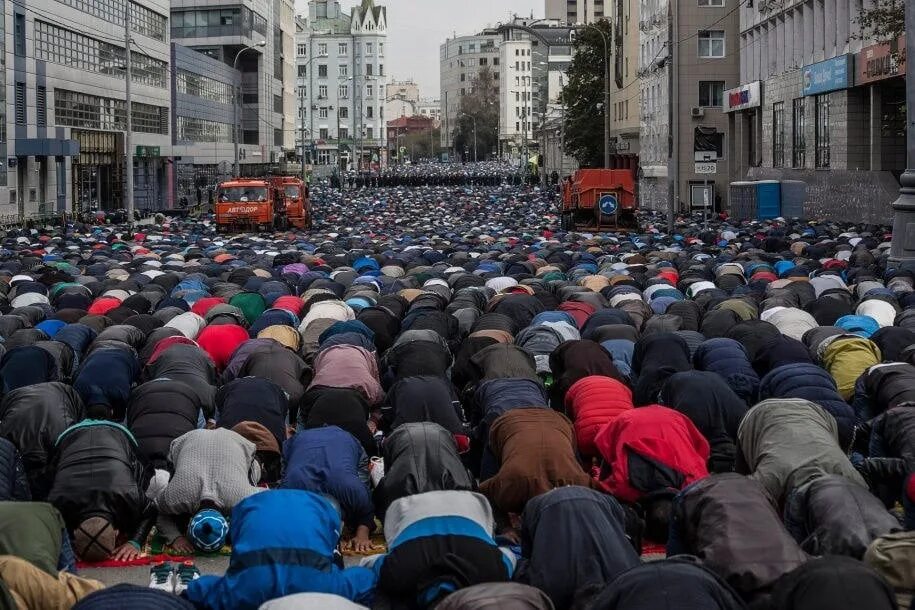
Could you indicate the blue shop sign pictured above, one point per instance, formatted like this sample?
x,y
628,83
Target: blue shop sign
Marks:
x,y
830,75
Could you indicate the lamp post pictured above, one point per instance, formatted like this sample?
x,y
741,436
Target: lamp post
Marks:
x,y
903,247
606,41
128,135
302,128
261,44
474,119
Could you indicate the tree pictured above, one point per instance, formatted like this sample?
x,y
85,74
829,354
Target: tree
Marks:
x,y
884,21
583,97
481,104
421,144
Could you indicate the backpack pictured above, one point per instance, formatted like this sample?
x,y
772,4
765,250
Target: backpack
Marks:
x,y
893,556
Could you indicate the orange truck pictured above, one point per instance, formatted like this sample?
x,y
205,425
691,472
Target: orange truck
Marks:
x,y
274,202
594,200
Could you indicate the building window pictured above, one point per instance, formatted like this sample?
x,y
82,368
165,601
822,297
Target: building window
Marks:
x,y
495,61
369,70
711,2
822,130
303,71
74,50
369,91
380,69
322,112
204,87
343,112
798,129
322,70
302,50
19,34
463,77
303,91
322,49
711,93
778,134
343,70
381,48
483,61
344,133
343,91
238,21
369,48
322,92
711,44
20,103
73,109
202,130
370,132
322,133
41,106
342,48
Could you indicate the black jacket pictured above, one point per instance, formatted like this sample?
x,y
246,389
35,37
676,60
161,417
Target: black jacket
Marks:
x,y
191,365
422,399
14,485
280,365
420,457
253,399
158,412
98,473
342,407
32,418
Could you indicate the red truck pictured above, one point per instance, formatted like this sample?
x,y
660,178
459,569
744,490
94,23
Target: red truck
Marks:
x,y
594,200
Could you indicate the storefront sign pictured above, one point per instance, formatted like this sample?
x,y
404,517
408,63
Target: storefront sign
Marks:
x,y
706,167
830,75
880,61
147,151
743,97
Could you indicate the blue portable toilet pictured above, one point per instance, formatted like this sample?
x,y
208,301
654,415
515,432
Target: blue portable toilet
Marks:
x,y
768,199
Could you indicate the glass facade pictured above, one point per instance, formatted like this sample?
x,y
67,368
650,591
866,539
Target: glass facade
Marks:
x,y
204,87
233,21
74,109
201,130
142,20
75,50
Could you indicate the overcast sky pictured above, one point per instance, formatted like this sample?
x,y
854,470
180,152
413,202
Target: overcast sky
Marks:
x,y
416,28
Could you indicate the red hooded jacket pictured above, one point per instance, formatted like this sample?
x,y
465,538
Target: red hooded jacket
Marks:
x,y
591,403
649,449
221,341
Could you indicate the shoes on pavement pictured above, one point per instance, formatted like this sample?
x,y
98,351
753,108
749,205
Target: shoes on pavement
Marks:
x,y
186,573
162,576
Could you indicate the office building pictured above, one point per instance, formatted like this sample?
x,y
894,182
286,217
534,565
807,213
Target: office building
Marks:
x,y
707,66
340,61
818,102
256,38
577,11
460,59
62,133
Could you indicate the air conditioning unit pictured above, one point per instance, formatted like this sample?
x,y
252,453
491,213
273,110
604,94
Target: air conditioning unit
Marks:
x,y
698,113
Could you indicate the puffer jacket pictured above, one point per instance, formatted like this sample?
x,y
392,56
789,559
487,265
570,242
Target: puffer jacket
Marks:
x,y
729,359
420,457
98,473
14,485
106,377
810,382
591,403
160,411
190,365
32,418
890,385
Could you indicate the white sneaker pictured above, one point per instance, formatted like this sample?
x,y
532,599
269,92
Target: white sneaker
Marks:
x,y
186,573
162,577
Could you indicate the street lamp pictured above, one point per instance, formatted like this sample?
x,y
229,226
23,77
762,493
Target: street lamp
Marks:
x,y
903,246
603,36
474,119
302,128
235,126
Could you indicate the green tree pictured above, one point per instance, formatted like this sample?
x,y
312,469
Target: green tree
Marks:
x,y
884,20
583,96
421,144
481,104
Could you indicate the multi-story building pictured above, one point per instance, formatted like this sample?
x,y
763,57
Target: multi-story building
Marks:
x,y
203,89
460,59
820,103
254,37
516,125
708,64
64,110
577,11
401,99
624,84
431,108
340,60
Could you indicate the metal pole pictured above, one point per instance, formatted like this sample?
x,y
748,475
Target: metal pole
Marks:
x,y
302,126
235,125
128,136
606,102
674,122
474,138
903,246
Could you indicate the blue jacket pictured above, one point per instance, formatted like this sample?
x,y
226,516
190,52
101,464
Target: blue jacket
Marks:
x,y
728,358
813,383
106,377
330,460
282,543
